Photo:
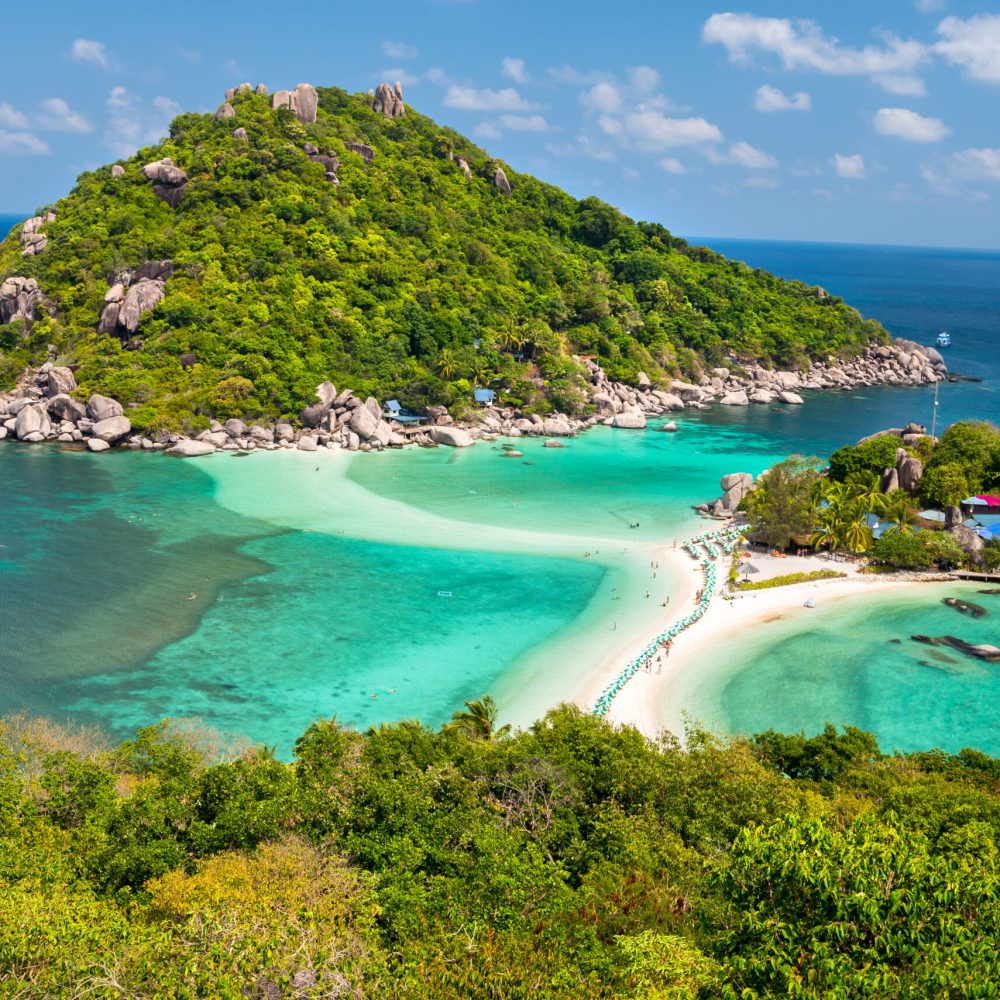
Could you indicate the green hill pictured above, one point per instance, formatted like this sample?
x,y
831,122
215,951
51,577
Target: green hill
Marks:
x,y
409,276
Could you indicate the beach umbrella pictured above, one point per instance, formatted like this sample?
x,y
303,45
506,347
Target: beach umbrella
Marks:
x,y
746,568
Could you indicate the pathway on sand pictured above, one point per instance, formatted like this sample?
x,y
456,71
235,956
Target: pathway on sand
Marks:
x,y
707,548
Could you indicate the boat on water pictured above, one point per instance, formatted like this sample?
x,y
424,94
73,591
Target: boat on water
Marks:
x,y
944,339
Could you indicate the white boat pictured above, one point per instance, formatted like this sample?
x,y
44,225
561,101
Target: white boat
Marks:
x,y
944,339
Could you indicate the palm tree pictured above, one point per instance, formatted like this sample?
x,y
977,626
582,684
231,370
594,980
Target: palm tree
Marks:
x,y
478,720
857,535
479,372
826,534
447,364
899,512
511,339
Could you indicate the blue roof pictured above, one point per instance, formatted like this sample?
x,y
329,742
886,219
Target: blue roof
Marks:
x,y
483,395
393,405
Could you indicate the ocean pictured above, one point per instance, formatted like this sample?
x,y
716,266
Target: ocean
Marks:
x,y
260,593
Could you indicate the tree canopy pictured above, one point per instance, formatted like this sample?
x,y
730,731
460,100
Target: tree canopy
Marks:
x,y
408,279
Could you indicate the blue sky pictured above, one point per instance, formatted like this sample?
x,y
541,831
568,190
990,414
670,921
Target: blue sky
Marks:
x,y
854,121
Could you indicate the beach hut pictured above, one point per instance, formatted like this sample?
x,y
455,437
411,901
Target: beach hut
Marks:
x,y
484,397
394,411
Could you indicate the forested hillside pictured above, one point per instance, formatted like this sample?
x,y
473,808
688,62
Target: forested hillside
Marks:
x,y
400,267
572,860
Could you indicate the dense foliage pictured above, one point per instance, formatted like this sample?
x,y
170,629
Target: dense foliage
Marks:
x,y
407,280
837,507
570,860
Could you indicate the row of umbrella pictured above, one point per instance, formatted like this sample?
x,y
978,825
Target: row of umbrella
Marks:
x,y
710,541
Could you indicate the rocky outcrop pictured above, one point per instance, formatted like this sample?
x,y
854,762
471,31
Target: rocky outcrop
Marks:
x,y
464,167
388,100
112,429
19,298
33,240
632,419
363,150
132,294
967,537
735,487
103,408
241,134
500,181
225,110
190,449
117,171
260,90
171,180
302,102
909,471
737,398
454,437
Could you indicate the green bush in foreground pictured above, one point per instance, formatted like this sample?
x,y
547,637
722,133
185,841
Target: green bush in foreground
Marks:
x,y
570,860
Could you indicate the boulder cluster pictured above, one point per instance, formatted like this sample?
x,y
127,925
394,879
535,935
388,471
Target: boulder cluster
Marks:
x,y
19,297
131,295
33,240
42,409
327,159
388,100
735,486
170,179
302,102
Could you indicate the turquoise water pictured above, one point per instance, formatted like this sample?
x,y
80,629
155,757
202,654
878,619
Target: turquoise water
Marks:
x,y
852,662
260,593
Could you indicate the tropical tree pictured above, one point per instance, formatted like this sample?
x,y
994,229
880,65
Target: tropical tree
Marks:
x,y
783,506
447,364
899,512
478,720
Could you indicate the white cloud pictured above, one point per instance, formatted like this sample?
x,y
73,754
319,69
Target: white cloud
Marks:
x,y
653,130
524,123
514,69
672,165
745,155
643,79
85,50
11,117
487,131
930,6
762,181
769,99
975,164
801,45
901,84
398,50
851,167
973,44
233,68
905,124
584,145
471,99
132,123
404,76
21,143
605,98
58,116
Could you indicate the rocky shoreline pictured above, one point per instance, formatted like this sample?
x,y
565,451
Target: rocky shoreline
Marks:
x,y
45,406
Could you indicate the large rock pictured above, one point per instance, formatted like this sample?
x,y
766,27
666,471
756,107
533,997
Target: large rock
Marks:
x,y
191,449
139,299
735,487
97,445
63,407
31,421
454,437
33,240
388,101
165,171
302,102
18,298
363,422
687,392
364,151
890,480
791,398
501,182
101,408
307,443
632,419
112,429
225,110
117,171
910,471
326,393
59,380
235,428
557,426
738,398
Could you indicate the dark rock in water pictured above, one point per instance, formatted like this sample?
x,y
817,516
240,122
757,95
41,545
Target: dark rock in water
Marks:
x,y
896,642
990,590
983,651
965,607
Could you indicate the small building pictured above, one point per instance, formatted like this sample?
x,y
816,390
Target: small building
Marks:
x,y
394,411
484,397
